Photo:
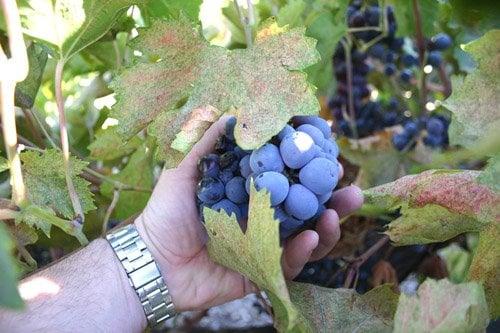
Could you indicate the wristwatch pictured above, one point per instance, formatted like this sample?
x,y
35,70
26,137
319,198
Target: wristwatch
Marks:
x,y
143,274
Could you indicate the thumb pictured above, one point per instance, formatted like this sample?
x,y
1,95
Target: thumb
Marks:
x,y
205,145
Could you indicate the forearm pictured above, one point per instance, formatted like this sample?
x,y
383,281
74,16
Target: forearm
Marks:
x,y
85,292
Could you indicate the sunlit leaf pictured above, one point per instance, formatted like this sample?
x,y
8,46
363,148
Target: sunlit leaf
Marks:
x,y
189,74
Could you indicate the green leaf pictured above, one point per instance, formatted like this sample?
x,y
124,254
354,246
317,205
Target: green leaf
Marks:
x,y
457,262
343,310
379,162
405,17
436,205
138,172
168,9
291,13
46,184
485,266
9,295
109,145
441,306
262,86
255,253
475,99
68,26
26,90
490,176
4,164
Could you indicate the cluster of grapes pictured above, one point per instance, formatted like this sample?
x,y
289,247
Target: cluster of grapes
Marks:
x,y
389,56
298,167
436,129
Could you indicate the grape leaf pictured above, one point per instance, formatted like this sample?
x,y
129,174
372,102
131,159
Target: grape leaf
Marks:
x,y
379,162
68,26
138,172
173,8
109,145
46,184
475,99
457,262
485,266
490,176
26,90
255,254
4,164
405,17
441,306
343,310
436,205
188,74
9,295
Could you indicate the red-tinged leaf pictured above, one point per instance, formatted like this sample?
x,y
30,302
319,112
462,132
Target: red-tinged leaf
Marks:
x,y
436,205
263,86
441,306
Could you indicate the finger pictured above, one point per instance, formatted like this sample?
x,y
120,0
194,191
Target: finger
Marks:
x,y
346,200
297,252
328,229
206,145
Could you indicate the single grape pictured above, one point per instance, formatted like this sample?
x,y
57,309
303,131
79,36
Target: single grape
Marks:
x,y
406,75
434,58
235,190
297,149
225,175
275,183
266,158
409,60
285,131
440,42
435,126
400,141
372,15
390,69
245,169
377,51
320,175
410,128
433,141
331,148
313,132
301,203
210,190
209,165
291,223
390,118
317,122
229,207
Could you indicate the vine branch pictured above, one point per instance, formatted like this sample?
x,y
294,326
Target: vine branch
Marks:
x,y
75,201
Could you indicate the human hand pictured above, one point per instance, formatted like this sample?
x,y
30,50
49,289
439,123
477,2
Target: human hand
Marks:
x,y
171,227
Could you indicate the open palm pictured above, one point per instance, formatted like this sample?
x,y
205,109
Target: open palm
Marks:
x,y
171,225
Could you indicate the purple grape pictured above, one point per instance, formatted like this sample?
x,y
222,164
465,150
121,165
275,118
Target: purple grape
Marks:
x,y
320,175
266,158
317,122
235,190
209,165
245,169
313,132
297,149
301,203
229,207
210,190
275,183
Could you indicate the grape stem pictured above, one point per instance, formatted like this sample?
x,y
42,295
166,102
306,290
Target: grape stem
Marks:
x,y
246,21
109,211
353,268
445,80
347,44
421,57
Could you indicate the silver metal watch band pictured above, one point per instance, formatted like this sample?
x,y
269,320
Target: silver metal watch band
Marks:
x,y
143,274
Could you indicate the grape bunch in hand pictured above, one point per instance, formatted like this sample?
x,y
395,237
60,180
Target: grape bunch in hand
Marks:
x,y
298,167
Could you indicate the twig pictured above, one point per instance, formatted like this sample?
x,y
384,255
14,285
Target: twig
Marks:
x,y
245,22
13,69
352,270
116,184
421,57
359,29
44,130
445,80
75,201
7,214
350,99
109,211
33,129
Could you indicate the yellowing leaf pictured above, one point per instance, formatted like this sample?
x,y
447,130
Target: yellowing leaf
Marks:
x,y
46,183
263,86
343,310
441,306
436,205
485,266
70,25
476,98
255,254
